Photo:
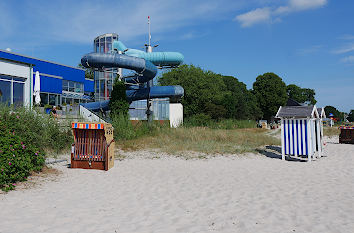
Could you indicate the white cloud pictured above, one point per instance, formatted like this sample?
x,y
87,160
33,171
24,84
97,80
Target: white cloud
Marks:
x,y
81,21
306,4
310,50
255,16
266,14
345,49
349,59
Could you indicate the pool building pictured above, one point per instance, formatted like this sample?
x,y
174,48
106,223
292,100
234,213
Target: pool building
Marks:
x,y
59,84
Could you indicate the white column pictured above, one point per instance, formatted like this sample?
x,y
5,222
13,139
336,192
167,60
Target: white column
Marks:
x,y
295,138
282,139
303,125
319,141
291,152
309,140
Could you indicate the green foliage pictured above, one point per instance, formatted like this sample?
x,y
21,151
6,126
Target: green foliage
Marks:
x,y
123,128
240,102
41,131
336,113
89,73
202,120
301,95
118,102
213,95
201,89
351,116
17,158
270,91
48,106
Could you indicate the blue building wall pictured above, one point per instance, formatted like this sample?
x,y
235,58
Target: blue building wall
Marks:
x,y
51,84
89,86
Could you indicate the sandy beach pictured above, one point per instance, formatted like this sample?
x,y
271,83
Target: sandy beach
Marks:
x,y
240,193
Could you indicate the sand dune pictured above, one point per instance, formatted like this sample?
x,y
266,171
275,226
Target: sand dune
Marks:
x,y
241,193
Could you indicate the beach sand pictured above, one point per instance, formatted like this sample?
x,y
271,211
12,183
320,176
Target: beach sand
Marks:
x,y
240,193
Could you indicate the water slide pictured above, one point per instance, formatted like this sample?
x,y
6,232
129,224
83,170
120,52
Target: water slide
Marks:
x,y
144,64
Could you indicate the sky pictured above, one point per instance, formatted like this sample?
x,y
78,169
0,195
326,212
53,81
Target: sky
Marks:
x,y
309,43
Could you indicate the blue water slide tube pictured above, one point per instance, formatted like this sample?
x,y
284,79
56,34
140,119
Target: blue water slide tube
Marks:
x,y
133,94
157,58
172,92
146,69
96,106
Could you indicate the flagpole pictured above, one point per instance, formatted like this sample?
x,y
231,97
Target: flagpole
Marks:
x,y
149,31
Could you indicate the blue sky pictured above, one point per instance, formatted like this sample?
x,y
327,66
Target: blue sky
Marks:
x,y
309,43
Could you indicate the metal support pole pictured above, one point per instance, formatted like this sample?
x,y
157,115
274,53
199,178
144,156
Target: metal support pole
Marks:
x,y
150,83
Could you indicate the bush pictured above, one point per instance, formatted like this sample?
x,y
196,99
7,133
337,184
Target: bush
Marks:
x,y
39,130
118,102
201,120
17,159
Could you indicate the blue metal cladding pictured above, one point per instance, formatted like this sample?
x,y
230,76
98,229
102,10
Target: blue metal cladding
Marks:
x,y
293,136
89,86
306,141
302,138
51,85
297,137
289,136
46,67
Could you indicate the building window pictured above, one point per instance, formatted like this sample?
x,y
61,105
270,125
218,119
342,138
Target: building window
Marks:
x,y
5,92
44,98
72,86
53,99
18,93
50,99
12,90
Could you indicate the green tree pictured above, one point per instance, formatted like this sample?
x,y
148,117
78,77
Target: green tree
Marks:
x,y
239,102
203,90
89,73
270,92
351,116
309,95
301,95
118,102
336,113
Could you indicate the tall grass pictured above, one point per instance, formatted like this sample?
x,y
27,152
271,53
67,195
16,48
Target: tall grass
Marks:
x,y
331,131
202,139
202,121
125,130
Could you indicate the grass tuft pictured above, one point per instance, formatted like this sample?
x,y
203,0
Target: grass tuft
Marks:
x,y
201,139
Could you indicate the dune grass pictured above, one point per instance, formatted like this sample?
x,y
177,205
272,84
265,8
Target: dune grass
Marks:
x,y
201,139
331,131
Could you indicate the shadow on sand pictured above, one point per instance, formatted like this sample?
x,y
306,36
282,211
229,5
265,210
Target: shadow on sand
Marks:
x,y
274,152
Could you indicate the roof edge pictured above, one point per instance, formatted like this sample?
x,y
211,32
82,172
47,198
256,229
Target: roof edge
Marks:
x,y
77,68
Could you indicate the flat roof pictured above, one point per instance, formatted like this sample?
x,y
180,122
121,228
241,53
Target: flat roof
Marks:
x,y
37,59
21,62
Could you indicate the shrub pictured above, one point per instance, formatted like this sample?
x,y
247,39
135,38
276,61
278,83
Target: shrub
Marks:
x,y
41,131
17,159
118,102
